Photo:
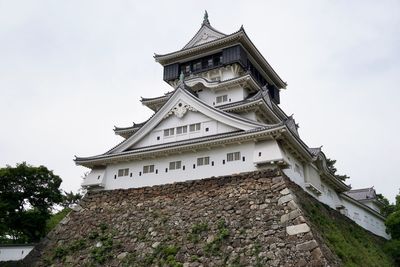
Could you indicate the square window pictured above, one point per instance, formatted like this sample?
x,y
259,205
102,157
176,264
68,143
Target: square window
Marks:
x,y
221,99
175,165
123,172
181,130
166,132
148,169
169,132
194,127
203,161
233,156
186,68
197,66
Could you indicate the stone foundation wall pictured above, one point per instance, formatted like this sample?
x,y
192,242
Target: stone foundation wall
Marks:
x,y
250,219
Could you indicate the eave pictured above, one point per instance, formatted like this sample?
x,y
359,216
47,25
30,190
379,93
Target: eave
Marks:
x,y
246,79
156,102
238,37
358,203
244,105
181,146
125,132
298,147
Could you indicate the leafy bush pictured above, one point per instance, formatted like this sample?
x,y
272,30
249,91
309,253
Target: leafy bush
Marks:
x,y
393,224
393,248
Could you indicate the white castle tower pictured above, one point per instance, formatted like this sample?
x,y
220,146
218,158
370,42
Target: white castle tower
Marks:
x,y
221,117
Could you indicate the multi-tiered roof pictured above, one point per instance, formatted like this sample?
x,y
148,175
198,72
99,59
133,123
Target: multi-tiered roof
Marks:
x,y
186,71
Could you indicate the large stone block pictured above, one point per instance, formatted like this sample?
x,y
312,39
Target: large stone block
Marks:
x,y
290,216
307,246
297,229
285,199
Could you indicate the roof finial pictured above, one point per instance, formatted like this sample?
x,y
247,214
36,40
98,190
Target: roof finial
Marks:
x,y
205,20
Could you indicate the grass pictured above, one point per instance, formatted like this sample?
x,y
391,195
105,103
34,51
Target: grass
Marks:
x,y
351,243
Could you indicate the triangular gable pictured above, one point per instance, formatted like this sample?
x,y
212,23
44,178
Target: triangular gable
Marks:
x,y
189,118
178,104
204,35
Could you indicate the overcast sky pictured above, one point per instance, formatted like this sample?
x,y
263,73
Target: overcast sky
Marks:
x,y
71,70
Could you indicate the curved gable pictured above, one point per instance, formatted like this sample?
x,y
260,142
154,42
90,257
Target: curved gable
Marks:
x,y
178,105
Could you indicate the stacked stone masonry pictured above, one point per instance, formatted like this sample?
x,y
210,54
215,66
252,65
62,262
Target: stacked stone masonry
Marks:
x,y
250,219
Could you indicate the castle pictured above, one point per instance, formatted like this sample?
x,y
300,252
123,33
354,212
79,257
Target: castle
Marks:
x,y
221,117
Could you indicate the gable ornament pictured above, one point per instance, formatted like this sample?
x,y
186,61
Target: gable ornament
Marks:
x,y
180,110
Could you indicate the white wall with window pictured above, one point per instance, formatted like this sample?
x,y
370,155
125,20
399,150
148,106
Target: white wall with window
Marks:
x,y
185,166
192,125
366,219
329,196
222,96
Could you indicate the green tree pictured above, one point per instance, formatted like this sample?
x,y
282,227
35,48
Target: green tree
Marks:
x,y
393,224
27,195
387,208
393,227
69,199
330,164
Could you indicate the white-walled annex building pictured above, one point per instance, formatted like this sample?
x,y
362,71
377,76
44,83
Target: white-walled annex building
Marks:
x,y
221,117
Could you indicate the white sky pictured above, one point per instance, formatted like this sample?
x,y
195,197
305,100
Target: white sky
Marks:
x,y
71,70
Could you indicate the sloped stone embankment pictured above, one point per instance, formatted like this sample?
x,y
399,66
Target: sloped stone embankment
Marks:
x,y
251,219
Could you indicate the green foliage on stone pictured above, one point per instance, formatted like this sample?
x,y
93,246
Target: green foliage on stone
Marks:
x,y
196,231
100,254
351,243
100,246
256,252
163,255
62,251
214,247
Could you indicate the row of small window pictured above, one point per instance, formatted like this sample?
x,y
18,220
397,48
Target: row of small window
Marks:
x,y
221,99
200,64
182,129
176,165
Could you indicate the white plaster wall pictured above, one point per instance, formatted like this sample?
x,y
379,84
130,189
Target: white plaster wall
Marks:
x,y
234,94
227,74
366,219
191,117
14,253
267,151
296,177
372,205
188,159
311,176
